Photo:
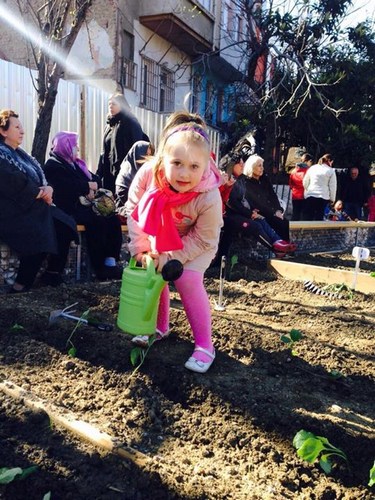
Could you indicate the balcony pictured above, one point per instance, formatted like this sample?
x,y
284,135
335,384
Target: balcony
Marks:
x,y
187,28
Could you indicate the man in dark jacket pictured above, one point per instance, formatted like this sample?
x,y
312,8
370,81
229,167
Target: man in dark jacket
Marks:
x,y
355,193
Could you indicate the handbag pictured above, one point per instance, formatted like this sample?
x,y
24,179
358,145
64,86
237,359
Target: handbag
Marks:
x,y
103,203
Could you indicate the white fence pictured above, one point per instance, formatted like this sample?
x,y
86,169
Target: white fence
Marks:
x,y
79,108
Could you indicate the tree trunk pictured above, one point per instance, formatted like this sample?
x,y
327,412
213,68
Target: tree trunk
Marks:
x,y
43,123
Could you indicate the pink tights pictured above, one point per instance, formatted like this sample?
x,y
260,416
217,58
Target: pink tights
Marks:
x,y
197,307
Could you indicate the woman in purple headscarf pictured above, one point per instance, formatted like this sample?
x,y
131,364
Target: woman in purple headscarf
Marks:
x,y
71,179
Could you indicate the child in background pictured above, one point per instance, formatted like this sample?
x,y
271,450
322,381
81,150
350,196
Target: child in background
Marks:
x,y
179,216
337,213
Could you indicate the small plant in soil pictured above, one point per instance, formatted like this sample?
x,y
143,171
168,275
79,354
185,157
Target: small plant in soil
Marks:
x,y
336,374
16,328
372,476
233,262
291,338
9,474
139,354
340,289
311,448
72,350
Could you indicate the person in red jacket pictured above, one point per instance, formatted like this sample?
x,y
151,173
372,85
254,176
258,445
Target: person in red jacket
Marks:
x,y
296,185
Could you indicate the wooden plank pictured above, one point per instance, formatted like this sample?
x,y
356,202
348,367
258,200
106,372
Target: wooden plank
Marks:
x,y
318,274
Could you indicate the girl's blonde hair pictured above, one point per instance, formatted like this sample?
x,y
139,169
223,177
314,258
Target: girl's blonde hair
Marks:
x,y
250,163
195,130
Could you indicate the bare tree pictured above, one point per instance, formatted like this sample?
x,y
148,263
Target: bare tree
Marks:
x,y
58,22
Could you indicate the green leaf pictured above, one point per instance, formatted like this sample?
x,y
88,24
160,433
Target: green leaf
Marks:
x,y
325,464
372,476
135,354
336,374
7,475
293,352
26,472
72,352
310,449
234,260
285,339
295,335
301,437
47,496
16,328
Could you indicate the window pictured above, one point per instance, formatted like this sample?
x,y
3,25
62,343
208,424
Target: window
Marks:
x,y
149,84
207,4
127,45
128,74
128,71
166,96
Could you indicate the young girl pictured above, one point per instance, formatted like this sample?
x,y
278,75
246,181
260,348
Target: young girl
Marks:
x,y
179,216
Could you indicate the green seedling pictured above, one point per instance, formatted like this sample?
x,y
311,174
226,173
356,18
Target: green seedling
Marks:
x,y
139,354
72,350
47,496
372,476
16,328
372,274
233,262
291,338
8,474
340,289
311,448
336,374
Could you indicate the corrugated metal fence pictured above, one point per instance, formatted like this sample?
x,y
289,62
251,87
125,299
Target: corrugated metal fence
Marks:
x,y
79,108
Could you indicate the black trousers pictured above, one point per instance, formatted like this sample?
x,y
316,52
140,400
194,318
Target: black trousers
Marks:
x,y
103,236
298,209
29,265
280,226
314,208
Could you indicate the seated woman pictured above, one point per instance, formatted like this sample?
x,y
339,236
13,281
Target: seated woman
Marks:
x,y
239,217
129,167
29,223
259,193
71,180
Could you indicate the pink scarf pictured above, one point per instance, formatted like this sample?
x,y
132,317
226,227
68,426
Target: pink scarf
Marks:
x,y
153,213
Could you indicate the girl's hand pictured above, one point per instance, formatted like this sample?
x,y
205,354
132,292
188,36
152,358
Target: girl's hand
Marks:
x,y
93,186
142,258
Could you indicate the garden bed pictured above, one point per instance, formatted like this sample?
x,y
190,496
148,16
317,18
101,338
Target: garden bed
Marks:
x,y
226,434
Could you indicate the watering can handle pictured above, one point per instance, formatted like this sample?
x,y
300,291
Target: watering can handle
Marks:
x,y
149,264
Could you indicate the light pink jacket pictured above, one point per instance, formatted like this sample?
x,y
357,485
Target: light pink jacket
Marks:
x,y
198,223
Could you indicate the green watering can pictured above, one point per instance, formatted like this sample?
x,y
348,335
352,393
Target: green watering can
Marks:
x,y
140,293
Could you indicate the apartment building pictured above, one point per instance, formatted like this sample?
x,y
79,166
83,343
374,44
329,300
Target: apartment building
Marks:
x,y
164,55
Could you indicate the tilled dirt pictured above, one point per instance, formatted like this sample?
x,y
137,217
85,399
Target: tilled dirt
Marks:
x,y
223,435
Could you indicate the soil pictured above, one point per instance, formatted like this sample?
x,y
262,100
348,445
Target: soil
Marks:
x,y
227,434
